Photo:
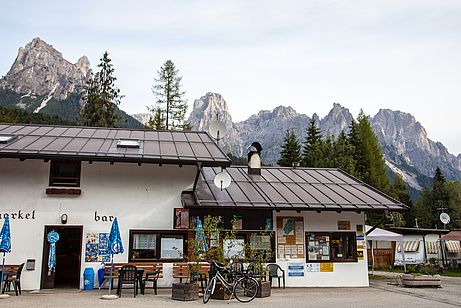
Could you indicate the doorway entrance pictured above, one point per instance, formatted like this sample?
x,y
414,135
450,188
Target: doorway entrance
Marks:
x,y
68,258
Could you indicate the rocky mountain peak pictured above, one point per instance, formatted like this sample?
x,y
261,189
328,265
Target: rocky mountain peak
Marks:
x,y
207,108
40,69
338,119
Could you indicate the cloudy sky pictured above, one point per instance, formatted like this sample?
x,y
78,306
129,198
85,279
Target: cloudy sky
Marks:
x,y
400,55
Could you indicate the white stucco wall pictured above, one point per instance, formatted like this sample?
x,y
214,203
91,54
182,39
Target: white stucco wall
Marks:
x,y
350,274
142,197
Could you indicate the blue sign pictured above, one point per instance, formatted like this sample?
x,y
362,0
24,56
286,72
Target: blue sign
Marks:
x,y
296,274
296,269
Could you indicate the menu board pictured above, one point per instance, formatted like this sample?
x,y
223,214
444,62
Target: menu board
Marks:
x,y
290,237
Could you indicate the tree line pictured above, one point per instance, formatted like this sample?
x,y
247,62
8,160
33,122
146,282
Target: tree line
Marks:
x,y
102,97
359,153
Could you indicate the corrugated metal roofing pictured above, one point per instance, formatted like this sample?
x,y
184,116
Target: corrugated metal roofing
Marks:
x,y
100,144
291,188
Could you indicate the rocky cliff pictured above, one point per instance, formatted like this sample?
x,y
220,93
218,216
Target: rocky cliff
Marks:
x,y
407,149
39,69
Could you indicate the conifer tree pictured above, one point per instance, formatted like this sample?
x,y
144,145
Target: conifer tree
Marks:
x,y
370,166
171,106
101,97
400,192
291,150
313,147
343,154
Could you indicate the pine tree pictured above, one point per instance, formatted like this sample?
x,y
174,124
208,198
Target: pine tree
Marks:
x,y
156,121
170,103
101,97
370,166
400,192
313,146
343,154
291,150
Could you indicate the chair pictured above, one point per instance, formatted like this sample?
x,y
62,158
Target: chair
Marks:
x,y
14,279
128,274
150,277
274,273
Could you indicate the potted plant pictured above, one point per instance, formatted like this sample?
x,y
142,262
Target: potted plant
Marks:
x,y
257,259
423,275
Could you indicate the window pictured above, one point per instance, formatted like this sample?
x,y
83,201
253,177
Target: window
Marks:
x,y
128,143
7,138
331,247
234,248
146,245
65,173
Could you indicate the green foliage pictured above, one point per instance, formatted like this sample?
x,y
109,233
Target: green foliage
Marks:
x,y
16,115
399,191
442,194
101,97
313,147
170,108
291,150
343,154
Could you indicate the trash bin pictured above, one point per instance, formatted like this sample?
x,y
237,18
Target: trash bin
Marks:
x,y
88,278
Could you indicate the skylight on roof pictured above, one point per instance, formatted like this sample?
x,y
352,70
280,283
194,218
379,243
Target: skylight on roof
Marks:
x,y
7,138
128,143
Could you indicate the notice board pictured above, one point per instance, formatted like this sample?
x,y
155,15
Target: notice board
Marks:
x,y
290,237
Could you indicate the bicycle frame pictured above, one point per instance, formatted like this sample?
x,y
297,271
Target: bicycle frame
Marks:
x,y
229,287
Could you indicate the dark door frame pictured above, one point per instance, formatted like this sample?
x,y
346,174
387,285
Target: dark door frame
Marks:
x,y
46,247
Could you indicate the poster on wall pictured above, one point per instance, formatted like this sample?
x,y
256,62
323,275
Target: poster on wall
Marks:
x,y
96,247
344,225
181,218
290,236
326,267
359,254
237,223
295,269
312,267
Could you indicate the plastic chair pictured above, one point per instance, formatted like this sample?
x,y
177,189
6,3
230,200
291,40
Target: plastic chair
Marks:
x,y
128,274
150,277
274,273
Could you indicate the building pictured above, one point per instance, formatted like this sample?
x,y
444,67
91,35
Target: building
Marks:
x,y
75,180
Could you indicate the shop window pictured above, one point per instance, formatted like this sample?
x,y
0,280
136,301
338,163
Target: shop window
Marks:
x,y
156,245
65,173
331,247
234,248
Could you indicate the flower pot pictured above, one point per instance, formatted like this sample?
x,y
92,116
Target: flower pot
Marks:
x,y
184,291
264,289
409,280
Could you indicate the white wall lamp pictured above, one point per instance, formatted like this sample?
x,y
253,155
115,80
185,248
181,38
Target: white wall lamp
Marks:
x,y
64,219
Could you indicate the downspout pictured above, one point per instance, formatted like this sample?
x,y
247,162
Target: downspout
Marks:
x,y
424,246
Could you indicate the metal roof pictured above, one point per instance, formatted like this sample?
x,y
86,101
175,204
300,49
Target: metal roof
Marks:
x,y
100,144
316,189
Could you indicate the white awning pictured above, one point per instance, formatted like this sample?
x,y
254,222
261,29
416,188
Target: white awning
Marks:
x,y
409,246
432,247
453,246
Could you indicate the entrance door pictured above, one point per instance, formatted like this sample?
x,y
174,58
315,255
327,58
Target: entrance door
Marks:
x,y
68,258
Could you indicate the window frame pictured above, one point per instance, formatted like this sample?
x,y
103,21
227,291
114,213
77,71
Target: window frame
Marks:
x,y
332,258
246,236
158,247
53,178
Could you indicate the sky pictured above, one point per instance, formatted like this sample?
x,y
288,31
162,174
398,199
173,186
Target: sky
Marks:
x,y
370,55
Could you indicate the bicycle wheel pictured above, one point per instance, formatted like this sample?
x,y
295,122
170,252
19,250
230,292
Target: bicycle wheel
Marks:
x,y
208,290
245,289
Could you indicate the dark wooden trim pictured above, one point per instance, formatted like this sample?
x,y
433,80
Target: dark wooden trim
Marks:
x,y
64,191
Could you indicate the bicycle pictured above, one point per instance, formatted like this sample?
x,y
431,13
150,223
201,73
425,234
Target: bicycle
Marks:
x,y
244,288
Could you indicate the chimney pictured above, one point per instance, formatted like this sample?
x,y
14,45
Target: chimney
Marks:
x,y
254,159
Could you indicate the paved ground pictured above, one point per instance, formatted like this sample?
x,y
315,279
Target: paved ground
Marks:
x,y
382,293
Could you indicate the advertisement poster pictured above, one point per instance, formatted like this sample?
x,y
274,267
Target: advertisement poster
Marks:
x,y
326,267
359,229
91,253
359,254
96,247
344,225
312,267
282,251
299,230
288,226
181,220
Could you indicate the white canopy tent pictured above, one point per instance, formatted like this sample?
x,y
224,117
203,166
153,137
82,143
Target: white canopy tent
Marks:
x,y
383,235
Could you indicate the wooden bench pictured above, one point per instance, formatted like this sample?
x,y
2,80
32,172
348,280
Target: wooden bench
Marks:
x,y
181,270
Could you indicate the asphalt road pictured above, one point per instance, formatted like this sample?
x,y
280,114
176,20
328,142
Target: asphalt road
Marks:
x,y
382,293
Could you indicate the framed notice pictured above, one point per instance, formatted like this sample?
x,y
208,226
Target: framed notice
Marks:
x,y
344,225
326,267
181,218
359,254
290,235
